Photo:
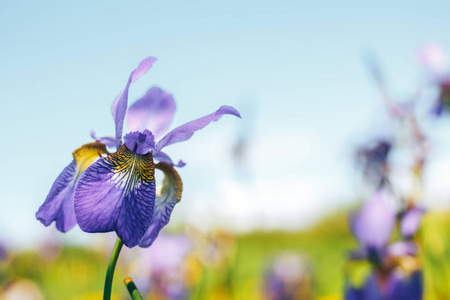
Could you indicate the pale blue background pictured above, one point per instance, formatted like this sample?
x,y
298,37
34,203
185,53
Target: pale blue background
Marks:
x,y
294,68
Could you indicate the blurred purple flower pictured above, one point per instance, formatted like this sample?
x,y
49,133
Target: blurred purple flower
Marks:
x,y
374,160
373,224
288,278
161,268
433,58
443,101
400,249
167,260
368,291
117,192
410,221
397,286
405,287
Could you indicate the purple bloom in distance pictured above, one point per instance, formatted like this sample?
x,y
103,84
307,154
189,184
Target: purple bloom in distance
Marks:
x,y
373,224
434,60
374,160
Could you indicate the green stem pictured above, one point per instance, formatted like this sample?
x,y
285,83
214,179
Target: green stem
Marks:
x,y
132,289
110,271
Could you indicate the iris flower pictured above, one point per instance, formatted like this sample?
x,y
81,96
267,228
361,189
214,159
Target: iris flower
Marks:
x,y
373,226
104,192
434,60
288,278
374,160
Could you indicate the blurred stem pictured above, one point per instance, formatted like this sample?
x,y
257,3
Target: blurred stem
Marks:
x,y
132,289
111,267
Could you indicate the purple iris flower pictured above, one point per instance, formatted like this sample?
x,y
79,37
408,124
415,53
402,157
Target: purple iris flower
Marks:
x,y
117,192
372,226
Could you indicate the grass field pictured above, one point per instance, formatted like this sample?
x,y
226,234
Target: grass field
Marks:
x,y
78,273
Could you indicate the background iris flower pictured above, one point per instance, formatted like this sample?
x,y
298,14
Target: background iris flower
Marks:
x,y
373,226
117,192
434,60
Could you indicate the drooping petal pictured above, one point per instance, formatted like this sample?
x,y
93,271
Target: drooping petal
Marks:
x,y
184,132
410,221
165,202
369,291
402,287
154,112
117,193
374,223
120,104
109,141
61,192
58,205
163,157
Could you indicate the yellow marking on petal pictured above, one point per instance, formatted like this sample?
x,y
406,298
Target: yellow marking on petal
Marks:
x,y
171,179
131,169
86,154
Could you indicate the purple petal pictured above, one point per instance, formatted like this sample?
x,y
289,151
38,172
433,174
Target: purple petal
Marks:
x,y
120,104
170,195
163,157
410,221
58,205
154,112
184,132
399,249
109,141
117,193
140,142
374,222
369,291
402,287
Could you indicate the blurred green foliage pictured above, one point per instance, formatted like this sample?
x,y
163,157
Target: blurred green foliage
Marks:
x,y
78,273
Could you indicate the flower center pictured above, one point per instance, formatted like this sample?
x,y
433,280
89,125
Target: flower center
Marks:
x,y
140,142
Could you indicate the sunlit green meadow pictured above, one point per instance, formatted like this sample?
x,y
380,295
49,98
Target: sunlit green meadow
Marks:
x,y
78,273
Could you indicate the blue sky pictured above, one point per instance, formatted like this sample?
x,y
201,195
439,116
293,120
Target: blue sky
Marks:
x,y
297,63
